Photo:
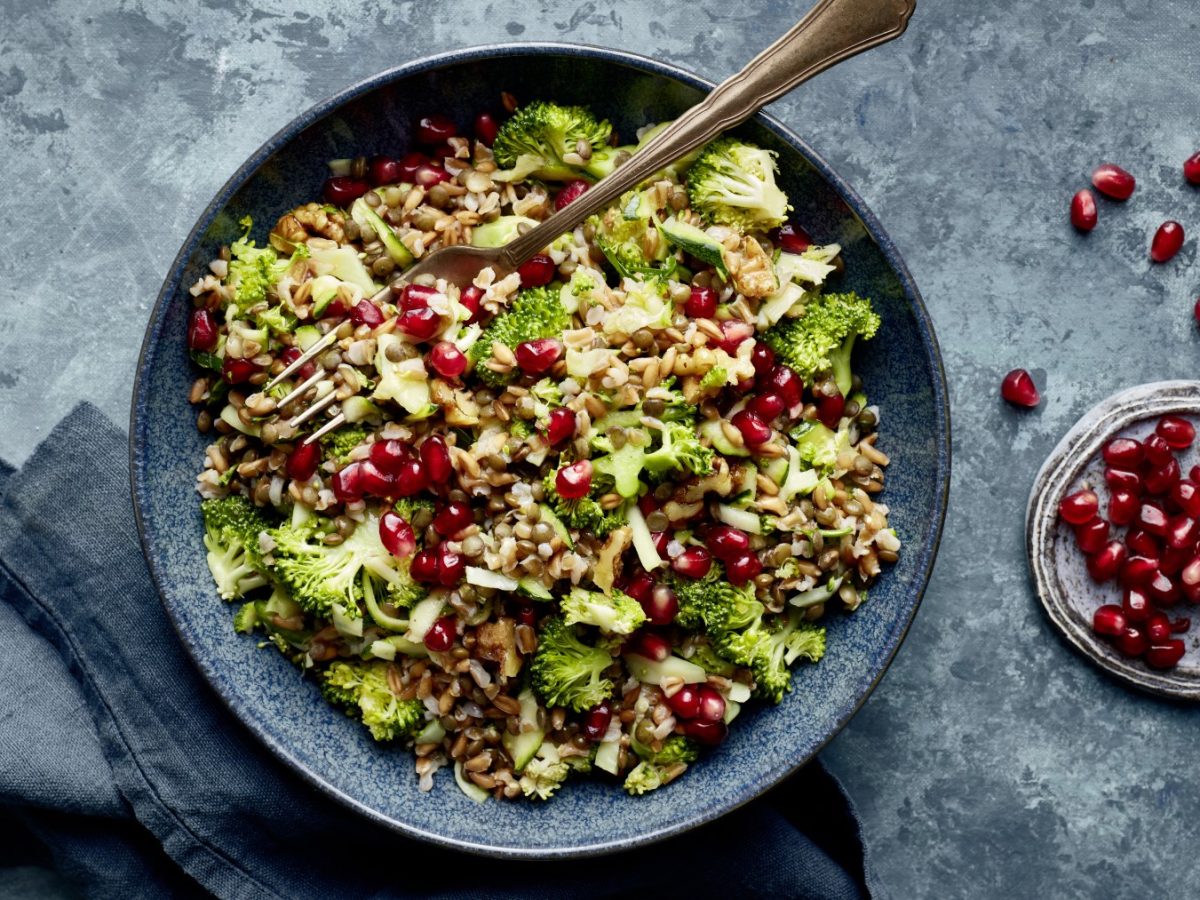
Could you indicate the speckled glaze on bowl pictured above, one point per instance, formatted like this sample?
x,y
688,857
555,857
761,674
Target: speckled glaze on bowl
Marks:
x,y
902,371
1057,565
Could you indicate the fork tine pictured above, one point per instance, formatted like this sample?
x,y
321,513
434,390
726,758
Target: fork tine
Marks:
x,y
336,422
301,388
314,409
302,359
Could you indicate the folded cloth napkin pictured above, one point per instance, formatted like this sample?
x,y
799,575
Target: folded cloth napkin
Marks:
x,y
129,775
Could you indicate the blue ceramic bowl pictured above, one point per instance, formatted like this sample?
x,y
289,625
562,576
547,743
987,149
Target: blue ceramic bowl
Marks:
x,y
903,374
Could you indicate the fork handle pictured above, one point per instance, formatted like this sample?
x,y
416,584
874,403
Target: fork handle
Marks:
x,y
832,31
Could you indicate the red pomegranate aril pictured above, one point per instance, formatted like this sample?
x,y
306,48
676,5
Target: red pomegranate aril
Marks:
x,y
755,432
792,238
640,586
1079,507
1107,563
430,174
1158,451
364,312
347,483
1173,559
1124,479
1152,518
384,170
441,634
1167,241
452,518
1124,453
1137,570
447,360
685,702
202,331
537,271
374,480
650,645
560,425
451,566
712,733
1092,536
526,614
1191,168
767,407
661,539
784,381
694,562
435,129
421,324
410,163
1161,481
597,720
726,542
574,481
1162,589
416,296
1185,496
1190,574
236,371
1180,624
397,535
1157,627
1109,620
1136,604
389,455
1192,592
1019,390
712,705
1132,642
742,569
1083,210
829,410
701,304
302,462
662,606
342,190
570,192
1164,655
1113,182
539,356
1182,532
486,128
306,371
1122,507
411,478
424,567
733,333
471,298
1176,431
1142,543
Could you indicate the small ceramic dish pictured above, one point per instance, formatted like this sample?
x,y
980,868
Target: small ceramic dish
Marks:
x,y
1067,592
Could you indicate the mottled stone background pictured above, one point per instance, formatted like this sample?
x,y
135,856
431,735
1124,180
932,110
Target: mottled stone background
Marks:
x,y
992,761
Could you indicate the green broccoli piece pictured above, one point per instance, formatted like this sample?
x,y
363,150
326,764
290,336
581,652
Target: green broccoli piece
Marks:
x,y
733,183
361,688
520,429
585,514
408,508
537,137
768,649
818,446
567,672
675,748
644,777
534,313
680,450
714,378
615,613
620,468
714,605
706,658
822,338
339,442
255,270
276,319
231,528
544,774
623,233
245,620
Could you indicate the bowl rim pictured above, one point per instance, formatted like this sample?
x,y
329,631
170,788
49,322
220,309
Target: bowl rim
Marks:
x,y
775,774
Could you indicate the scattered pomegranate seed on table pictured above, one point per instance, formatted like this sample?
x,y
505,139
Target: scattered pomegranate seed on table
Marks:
x,y
1167,242
1113,182
1083,210
1019,390
1191,168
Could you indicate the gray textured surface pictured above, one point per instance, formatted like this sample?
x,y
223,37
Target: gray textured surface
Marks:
x,y
992,761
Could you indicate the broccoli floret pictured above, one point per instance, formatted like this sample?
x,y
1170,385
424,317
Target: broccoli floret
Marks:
x,y
706,658
585,514
520,429
339,442
714,378
713,604
255,270
818,446
566,671
231,528
645,777
676,748
615,613
543,774
733,183
646,306
680,450
276,319
823,337
534,313
245,620
768,650
537,137
620,468
409,507
361,688
627,236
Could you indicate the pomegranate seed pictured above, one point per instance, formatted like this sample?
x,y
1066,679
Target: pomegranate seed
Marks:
x,y
397,535
1105,564
712,733
754,430
560,425
1190,576
486,128
1182,531
236,371
1185,496
726,542
762,357
1138,570
1113,182
452,518
447,360
1132,642
410,479
694,562
1124,453
792,238
1174,559
597,720
685,702
702,304
341,190
640,586
570,192
1158,451
374,480
1157,628
1191,168
1109,619
536,357
1124,480
712,705
829,410
1122,507
527,615
306,371
424,567
1180,625
303,461
662,606
1167,241
409,163
435,129
1083,210
347,483
1177,432
441,634
364,312
1161,481
430,174
1019,390
202,332
574,481
390,455
742,569
661,540
451,566
1192,592
650,645
537,271
1136,605
787,384
767,407
1165,655
1162,589
1092,536
1079,507
1152,518
384,170
1142,543
471,298
416,296
733,333
421,324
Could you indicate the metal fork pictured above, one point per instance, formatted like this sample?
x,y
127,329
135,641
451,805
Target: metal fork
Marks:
x,y
832,31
